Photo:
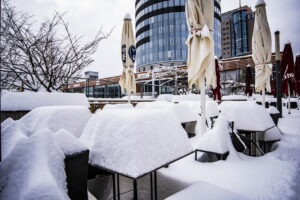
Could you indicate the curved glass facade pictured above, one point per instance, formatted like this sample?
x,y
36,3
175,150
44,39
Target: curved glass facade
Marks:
x,y
239,33
161,32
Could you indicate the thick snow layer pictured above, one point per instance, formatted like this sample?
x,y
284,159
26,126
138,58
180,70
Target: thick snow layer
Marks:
x,y
34,170
71,118
12,133
134,141
190,97
215,140
165,97
234,97
118,106
7,122
247,115
13,101
212,109
183,112
68,143
203,190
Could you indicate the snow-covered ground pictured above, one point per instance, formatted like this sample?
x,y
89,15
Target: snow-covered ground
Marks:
x,y
275,175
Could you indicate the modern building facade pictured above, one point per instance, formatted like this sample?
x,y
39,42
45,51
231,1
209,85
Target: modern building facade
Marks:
x,y
161,32
237,30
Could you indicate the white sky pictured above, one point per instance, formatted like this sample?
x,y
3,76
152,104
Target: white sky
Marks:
x,y
86,17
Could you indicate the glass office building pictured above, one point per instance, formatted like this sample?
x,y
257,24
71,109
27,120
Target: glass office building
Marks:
x,y
239,33
161,32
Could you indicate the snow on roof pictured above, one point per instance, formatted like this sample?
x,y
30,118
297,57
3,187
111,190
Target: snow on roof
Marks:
x,y
204,190
183,112
136,141
137,98
34,170
13,101
215,140
260,2
165,97
71,118
247,115
118,106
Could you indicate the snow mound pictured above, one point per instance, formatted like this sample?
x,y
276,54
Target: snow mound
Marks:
x,y
215,140
204,190
24,101
71,118
7,122
165,97
212,109
68,143
134,142
34,170
118,106
11,135
182,112
247,115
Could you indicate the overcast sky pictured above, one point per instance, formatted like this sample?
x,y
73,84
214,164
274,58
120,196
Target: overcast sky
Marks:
x,y
86,17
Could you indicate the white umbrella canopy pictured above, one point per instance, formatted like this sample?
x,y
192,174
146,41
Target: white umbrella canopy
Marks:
x,y
262,48
127,80
201,64
200,20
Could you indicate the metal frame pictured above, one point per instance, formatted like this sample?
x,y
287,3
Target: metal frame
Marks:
x,y
153,179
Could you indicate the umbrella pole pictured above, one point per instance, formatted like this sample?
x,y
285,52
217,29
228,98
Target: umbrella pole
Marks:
x,y
203,109
263,98
289,103
129,100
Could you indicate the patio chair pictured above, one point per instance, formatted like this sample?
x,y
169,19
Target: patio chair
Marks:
x,y
76,167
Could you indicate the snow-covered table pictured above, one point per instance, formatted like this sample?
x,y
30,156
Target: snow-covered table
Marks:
x,y
135,142
251,120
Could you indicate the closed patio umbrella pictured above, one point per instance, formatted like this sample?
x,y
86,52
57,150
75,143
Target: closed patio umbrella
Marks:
x,y
262,50
128,50
201,66
217,90
249,89
288,72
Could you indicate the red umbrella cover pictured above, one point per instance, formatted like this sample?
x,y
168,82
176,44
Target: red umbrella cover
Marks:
x,y
249,89
217,90
287,69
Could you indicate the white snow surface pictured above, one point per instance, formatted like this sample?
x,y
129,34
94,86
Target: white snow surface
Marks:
x,y
216,140
211,107
71,118
135,141
203,190
118,106
260,2
132,97
183,112
189,97
234,97
247,115
165,97
274,176
24,101
69,144
12,132
34,170
273,110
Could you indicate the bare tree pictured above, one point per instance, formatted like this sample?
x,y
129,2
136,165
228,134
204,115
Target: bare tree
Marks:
x,y
43,58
